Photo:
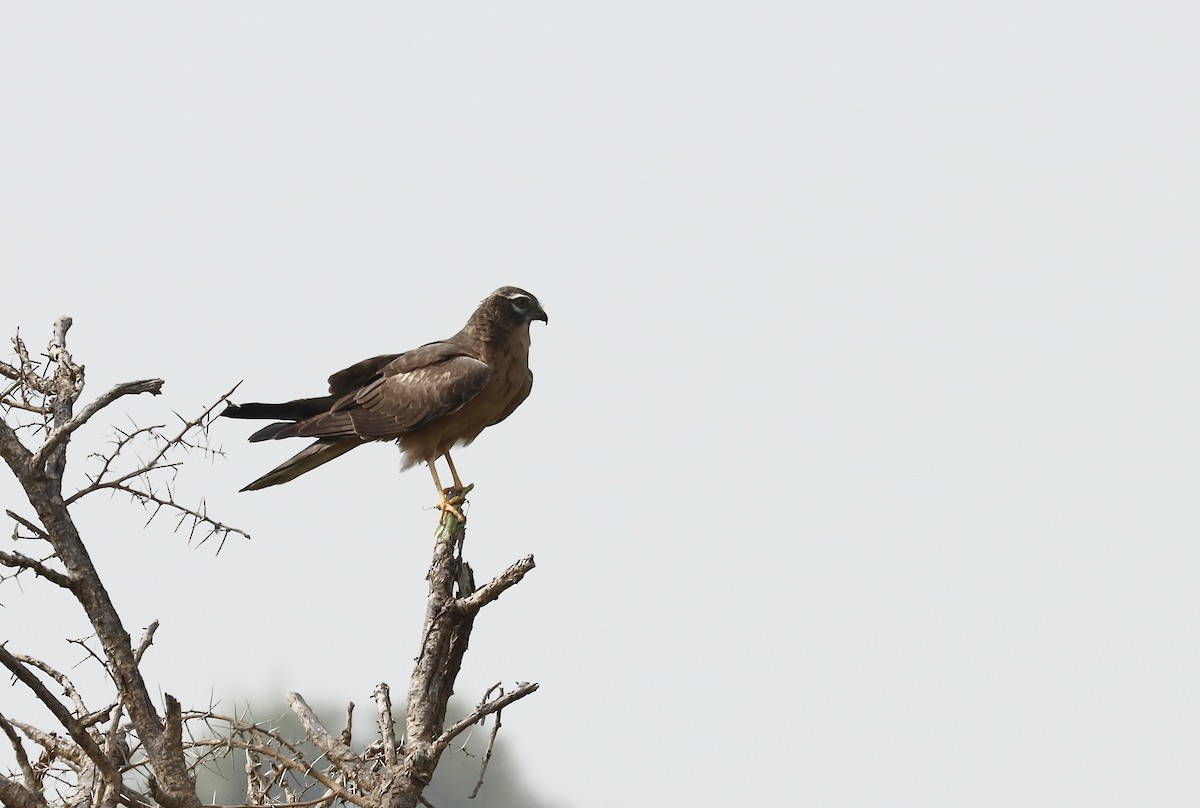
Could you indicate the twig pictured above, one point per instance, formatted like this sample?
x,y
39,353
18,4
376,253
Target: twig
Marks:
x,y
146,641
487,755
20,561
482,711
5,401
198,518
138,484
327,798
41,534
297,764
348,732
125,439
69,688
82,643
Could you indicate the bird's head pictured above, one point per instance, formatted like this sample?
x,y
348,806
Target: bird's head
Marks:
x,y
515,307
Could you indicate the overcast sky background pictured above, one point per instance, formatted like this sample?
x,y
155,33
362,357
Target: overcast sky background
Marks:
x,y
861,466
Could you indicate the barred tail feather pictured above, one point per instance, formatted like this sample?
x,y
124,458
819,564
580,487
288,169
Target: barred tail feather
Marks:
x,y
316,454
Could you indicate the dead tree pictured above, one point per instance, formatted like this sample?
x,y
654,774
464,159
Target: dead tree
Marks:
x,y
129,750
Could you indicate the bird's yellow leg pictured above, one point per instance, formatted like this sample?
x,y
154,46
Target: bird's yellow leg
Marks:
x,y
445,504
458,483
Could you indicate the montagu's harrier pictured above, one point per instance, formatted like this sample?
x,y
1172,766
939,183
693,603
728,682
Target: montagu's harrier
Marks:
x,y
429,399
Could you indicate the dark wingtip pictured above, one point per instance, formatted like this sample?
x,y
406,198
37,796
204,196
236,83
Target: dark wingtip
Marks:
x,y
270,432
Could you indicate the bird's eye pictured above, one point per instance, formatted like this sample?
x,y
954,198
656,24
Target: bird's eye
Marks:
x,y
520,303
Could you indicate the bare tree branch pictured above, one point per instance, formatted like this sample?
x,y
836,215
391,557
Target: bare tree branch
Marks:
x,y
294,763
67,685
340,754
19,561
78,734
68,384
26,375
138,484
472,603
15,795
14,453
9,371
146,641
5,401
487,753
30,526
32,781
42,483
483,711
387,726
198,518
60,434
55,744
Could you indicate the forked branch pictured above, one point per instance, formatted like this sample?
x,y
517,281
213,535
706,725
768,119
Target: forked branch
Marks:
x,y
59,435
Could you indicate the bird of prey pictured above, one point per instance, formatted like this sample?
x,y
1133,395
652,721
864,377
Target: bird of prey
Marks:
x,y
428,400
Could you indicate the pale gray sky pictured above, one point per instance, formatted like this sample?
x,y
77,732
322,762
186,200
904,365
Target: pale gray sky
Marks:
x,y
861,467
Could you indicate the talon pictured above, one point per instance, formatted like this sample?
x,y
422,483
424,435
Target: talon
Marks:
x,y
447,504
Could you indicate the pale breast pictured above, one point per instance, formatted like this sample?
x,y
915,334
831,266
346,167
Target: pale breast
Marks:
x,y
510,373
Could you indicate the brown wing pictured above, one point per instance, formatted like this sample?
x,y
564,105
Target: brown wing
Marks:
x,y
407,400
404,394
359,374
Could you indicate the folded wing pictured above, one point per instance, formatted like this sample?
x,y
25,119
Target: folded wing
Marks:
x,y
381,401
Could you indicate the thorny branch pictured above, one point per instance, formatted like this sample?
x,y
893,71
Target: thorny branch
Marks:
x,y
491,744
140,482
41,401
59,435
485,708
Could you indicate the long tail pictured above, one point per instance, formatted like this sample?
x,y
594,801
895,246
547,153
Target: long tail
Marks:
x,y
296,410
316,454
